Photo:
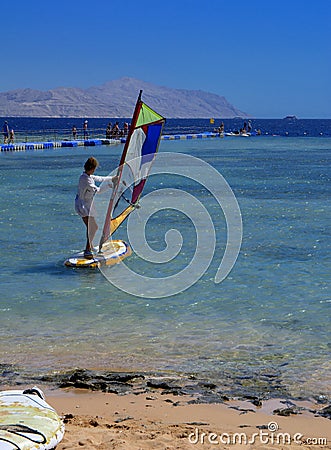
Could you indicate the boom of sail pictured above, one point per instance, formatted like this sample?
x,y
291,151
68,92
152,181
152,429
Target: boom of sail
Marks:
x,y
138,155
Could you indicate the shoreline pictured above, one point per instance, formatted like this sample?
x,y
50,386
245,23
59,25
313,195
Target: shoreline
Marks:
x,y
202,389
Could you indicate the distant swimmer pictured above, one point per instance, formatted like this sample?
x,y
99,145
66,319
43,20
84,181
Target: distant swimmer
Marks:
x,y
84,199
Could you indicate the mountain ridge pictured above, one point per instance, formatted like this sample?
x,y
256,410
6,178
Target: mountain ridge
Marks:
x,y
115,98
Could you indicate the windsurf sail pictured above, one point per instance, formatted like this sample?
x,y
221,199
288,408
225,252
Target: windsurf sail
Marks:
x,y
138,155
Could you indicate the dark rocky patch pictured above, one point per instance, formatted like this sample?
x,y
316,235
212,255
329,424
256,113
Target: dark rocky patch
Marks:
x,y
117,383
321,399
325,412
8,371
239,382
286,411
123,419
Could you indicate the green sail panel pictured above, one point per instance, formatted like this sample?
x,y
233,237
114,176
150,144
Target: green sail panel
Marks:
x,y
147,115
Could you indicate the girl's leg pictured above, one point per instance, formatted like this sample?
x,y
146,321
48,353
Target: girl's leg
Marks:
x,y
91,229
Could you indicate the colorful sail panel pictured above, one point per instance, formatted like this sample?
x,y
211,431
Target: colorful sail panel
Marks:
x,y
147,116
137,158
115,223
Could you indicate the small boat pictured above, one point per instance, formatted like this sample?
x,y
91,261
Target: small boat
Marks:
x,y
290,118
237,133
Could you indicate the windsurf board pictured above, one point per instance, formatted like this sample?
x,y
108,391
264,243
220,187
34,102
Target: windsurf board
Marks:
x,y
27,422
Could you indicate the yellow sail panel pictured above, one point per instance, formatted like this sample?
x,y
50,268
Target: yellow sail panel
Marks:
x,y
147,115
115,223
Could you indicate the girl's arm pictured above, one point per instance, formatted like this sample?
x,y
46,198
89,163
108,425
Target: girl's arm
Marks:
x,y
105,186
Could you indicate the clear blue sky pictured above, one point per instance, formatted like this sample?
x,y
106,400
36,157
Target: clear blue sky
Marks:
x,y
268,58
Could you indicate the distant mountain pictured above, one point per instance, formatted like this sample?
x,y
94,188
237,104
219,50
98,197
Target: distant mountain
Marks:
x,y
115,99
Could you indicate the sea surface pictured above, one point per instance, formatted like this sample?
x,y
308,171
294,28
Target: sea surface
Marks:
x,y
27,129
269,319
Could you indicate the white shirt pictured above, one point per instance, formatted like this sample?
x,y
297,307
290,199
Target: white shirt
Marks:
x,y
86,191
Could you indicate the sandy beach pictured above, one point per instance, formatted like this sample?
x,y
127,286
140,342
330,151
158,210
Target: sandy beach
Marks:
x,y
102,421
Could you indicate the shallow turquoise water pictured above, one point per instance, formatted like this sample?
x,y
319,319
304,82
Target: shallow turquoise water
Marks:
x,y
272,311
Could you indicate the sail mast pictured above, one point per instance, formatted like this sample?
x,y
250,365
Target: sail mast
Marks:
x,y
132,127
106,228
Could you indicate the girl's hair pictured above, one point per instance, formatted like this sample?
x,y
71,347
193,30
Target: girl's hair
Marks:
x,y
90,164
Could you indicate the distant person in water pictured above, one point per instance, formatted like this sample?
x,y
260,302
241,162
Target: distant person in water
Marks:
x,y
85,129
5,132
221,128
115,131
108,131
84,198
11,136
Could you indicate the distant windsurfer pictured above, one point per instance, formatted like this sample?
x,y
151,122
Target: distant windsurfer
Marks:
x,y
84,198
